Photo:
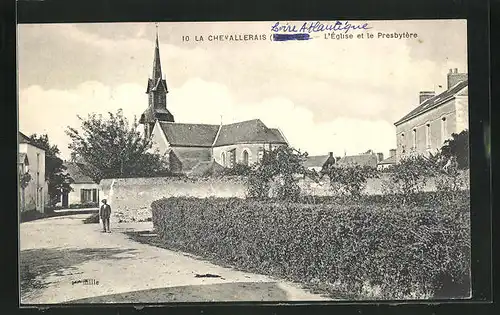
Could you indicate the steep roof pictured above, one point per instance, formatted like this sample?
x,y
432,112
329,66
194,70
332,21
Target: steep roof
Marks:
x,y
279,135
153,114
315,161
389,160
250,131
196,135
74,171
360,159
25,139
434,101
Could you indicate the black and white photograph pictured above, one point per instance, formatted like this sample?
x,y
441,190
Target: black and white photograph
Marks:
x,y
268,161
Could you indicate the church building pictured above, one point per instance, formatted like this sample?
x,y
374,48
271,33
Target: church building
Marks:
x,y
189,146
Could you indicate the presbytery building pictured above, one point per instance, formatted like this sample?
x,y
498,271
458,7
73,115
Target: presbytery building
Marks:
x,y
436,117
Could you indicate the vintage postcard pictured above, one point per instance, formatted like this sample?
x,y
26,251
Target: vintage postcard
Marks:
x,y
243,161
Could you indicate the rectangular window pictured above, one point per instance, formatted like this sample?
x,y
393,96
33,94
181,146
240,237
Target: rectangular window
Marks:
x,y
414,138
428,135
94,195
85,195
444,129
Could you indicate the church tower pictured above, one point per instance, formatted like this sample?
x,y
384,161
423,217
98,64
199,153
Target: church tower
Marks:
x,y
157,95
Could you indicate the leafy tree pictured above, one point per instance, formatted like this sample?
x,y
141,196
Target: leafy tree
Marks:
x,y
458,147
276,174
112,148
409,176
352,178
58,180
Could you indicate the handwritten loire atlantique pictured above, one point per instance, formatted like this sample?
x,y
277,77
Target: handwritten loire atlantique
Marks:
x,y
313,27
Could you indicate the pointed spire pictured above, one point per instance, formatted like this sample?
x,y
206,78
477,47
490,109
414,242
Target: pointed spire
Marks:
x,y
156,63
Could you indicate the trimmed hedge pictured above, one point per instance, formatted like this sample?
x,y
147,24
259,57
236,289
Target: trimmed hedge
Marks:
x,y
363,249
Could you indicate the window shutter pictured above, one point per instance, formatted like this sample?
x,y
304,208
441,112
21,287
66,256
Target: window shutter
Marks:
x,y
94,195
82,195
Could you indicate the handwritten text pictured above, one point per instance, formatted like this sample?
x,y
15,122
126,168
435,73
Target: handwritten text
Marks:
x,y
314,27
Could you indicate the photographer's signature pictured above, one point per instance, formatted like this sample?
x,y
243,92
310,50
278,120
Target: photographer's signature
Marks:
x,y
86,282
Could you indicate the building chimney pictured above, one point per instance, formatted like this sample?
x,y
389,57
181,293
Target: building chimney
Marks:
x,y
392,152
455,77
380,156
425,95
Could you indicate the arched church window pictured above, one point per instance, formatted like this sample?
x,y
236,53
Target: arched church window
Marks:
x,y
245,157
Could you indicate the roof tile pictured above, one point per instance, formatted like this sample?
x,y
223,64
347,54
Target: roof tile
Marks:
x,y
74,171
250,131
199,135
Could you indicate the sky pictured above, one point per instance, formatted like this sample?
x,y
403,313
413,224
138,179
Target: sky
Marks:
x,y
326,95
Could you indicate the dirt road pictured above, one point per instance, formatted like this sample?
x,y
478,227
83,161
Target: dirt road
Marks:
x,y
66,261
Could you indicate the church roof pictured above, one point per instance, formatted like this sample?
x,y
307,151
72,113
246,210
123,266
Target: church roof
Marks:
x,y
161,114
204,135
435,101
360,159
250,131
196,135
279,135
75,172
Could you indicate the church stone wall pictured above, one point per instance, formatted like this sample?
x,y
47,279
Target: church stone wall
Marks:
x,y
131,198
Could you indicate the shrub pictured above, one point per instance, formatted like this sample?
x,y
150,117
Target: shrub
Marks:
x,y
94,218
409,176
400,252
350,180
84,205
275,175
457,147
237,170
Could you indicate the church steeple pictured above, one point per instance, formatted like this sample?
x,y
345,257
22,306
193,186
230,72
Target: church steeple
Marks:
x,y
156,62
157,94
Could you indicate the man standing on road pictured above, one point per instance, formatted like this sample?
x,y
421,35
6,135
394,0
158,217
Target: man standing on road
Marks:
x,y
105,213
